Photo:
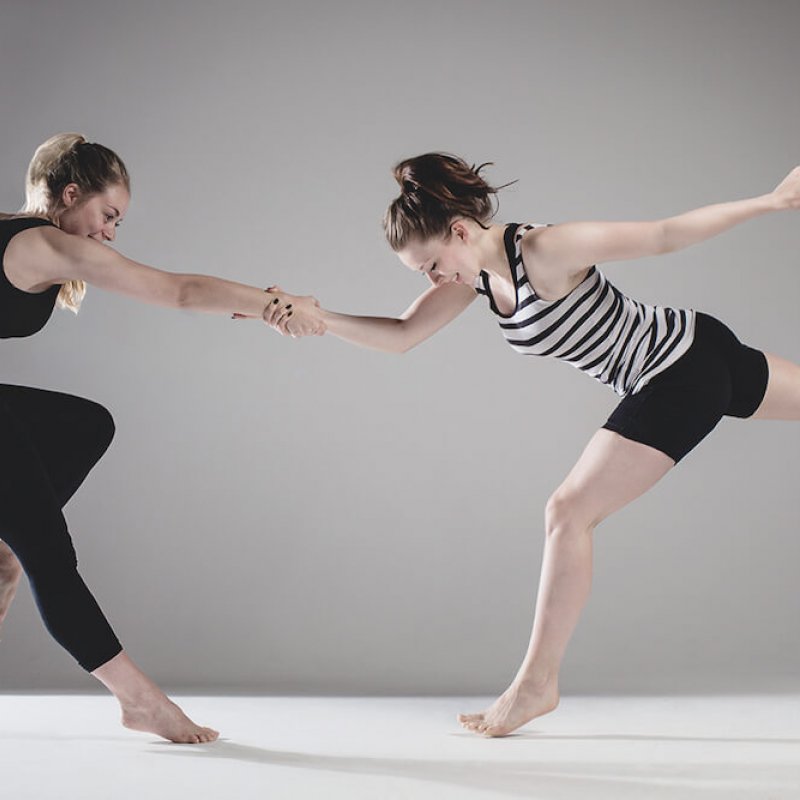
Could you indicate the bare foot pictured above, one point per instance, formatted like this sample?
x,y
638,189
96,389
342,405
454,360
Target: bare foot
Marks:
x,y
161,716
10,572
518,704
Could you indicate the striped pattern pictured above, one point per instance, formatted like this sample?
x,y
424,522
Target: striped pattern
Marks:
x,y
596,328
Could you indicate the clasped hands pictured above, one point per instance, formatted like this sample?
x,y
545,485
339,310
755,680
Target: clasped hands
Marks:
x,y
291,315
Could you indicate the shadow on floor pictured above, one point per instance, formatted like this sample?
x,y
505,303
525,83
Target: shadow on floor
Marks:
x,y
684,780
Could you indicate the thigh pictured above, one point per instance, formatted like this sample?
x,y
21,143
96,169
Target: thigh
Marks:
x,y
782,398
69,433
611,472
31,522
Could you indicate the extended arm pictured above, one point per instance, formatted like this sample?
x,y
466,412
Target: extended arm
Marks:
x,y
575,245
59,257
430,312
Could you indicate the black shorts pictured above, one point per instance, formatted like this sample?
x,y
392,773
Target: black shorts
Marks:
x,y
717,376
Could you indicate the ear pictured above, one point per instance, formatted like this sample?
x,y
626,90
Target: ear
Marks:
x,y
460,229
71,195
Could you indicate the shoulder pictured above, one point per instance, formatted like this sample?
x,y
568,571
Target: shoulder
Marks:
x,y
36,254
529,237
17,228
34,233
552,246
552,273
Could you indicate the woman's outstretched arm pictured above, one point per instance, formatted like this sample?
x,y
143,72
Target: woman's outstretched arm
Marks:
x,y
573,246
56,257
429,313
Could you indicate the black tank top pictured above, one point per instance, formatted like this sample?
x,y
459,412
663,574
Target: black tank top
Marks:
x,y
22,313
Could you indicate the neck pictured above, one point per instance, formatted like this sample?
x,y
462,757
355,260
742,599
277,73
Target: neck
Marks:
x,y
492,251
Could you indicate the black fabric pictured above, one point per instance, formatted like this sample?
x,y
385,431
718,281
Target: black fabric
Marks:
x,y
22,313
717,376
48,443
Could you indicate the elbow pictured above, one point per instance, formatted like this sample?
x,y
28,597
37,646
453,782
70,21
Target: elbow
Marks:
x,y
394,346
184,292
665,239
405,345
404,340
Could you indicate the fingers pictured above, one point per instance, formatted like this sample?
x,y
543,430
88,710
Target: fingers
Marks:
x,y
283,315
273,312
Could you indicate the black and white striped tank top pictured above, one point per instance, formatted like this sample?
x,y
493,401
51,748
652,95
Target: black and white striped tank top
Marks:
x,y
596,328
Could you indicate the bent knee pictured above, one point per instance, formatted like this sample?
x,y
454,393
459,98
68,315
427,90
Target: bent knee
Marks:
x,y
568,511
104,425
98,427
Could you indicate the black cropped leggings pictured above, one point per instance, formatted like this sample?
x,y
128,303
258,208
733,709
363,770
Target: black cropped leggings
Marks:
x,y
48,444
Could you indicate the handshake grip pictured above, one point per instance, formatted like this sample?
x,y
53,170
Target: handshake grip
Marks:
x,y
293,315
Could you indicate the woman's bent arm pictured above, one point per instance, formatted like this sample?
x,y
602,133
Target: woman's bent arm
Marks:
x,y
429,313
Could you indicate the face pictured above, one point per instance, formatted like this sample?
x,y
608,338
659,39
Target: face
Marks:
x,y
452,260
96,216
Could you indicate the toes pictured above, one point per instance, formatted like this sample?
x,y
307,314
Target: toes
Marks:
x,y
206,735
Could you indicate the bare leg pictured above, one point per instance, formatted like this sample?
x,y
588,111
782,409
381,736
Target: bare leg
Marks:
x,y
611,472
782,400
145,707
10,572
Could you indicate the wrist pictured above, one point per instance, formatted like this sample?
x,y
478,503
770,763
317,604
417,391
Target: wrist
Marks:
x,y
773,202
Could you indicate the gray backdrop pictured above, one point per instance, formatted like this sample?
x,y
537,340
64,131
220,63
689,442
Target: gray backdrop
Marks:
x,y
305,516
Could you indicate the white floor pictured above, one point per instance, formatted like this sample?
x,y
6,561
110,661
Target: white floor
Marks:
x,y
65,747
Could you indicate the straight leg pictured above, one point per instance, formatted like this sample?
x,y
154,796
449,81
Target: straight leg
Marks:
x,y
611,472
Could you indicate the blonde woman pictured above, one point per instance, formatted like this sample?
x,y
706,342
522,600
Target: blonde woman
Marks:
x,y
677,371
77,193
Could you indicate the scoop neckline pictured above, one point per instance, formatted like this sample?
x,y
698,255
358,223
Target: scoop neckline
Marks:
x,y
511,255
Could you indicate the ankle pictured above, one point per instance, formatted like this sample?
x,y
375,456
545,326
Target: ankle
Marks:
x,y
131,687
537,680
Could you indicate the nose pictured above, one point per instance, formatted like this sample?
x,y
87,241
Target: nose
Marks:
x,y
110,233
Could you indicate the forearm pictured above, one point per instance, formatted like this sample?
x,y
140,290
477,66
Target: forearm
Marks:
x,y
219,296
703,223
378,333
